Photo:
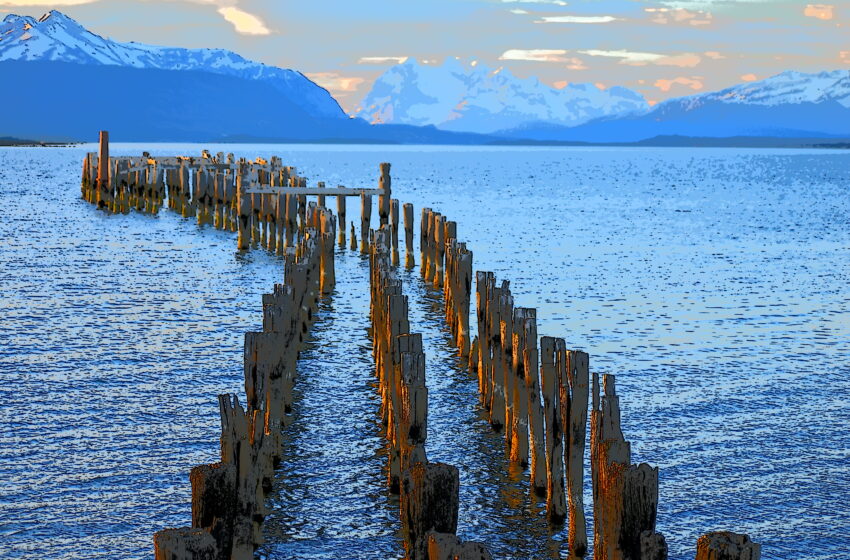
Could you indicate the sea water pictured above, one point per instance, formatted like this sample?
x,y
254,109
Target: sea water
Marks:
x,y
712,282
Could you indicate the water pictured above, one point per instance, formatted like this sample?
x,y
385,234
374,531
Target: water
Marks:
x,y
712,282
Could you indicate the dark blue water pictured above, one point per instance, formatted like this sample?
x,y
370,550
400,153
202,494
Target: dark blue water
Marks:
x,y
713,283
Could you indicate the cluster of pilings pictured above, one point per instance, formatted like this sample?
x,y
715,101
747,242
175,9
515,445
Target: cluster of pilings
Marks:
x,y
538,396
428,491
228,496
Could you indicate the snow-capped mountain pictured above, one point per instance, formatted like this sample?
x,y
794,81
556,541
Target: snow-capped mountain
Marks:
x,y
790,104
468,96
787,88
58,38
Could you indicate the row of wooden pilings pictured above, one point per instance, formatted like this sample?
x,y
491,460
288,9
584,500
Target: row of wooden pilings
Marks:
x,y
538,396
228,496
429,499
212,188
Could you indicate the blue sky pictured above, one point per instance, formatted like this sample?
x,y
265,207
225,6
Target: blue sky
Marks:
x,y
661,48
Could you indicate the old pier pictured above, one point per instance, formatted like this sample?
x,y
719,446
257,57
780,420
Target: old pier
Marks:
x,y
535,390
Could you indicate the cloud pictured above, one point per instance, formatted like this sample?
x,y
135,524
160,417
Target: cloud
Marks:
x,y
576,19
686,60
749,77
665,85
243,22
335,83
844,56
544,55
714,55
556,2
44,2
382,60
534,55
819,11
519,12
666,16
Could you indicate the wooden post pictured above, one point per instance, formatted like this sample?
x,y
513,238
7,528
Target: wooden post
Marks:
x,y
103,159
187,543
407,210
625,495
556,506
429,502
724,545
214,503
519,393
575,378
394,230
653,546
385,184
340,212
321,197
243,202
365,219
537,448
424,240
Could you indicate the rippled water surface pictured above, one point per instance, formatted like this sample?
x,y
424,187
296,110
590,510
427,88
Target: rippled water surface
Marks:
x,y
713,283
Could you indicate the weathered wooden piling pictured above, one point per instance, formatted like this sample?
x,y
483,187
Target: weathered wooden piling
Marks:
x,y
340,212
365,219
394,225
724,545
186,543
214,503
536,423
446,546
556,506
429,502
385,184
409,261
102,167
625,496
573,377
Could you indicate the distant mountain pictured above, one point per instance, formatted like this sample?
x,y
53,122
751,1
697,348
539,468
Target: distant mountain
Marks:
x,y
69,83
56,37
468,96
791,104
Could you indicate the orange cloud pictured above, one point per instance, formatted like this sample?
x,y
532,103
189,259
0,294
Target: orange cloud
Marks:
x,y
819,11
334,82
844,56
665,85
714,55
749,77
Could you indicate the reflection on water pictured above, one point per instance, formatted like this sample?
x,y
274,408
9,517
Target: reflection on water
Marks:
x,y
713,283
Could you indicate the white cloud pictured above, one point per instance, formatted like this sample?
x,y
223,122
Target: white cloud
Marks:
x,y
243,22
44,2
382,60
534,55
555,2
643,58
576,19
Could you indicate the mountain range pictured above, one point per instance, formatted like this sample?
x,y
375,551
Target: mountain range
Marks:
x,y
471,97
69,82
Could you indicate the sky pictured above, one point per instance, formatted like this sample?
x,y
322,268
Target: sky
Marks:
x,y
660,48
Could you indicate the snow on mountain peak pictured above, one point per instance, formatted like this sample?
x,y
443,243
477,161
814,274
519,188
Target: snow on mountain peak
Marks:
x,y
59,38
466,95
789,87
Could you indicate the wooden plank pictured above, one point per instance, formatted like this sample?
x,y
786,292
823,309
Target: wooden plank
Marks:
x,y
312,191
